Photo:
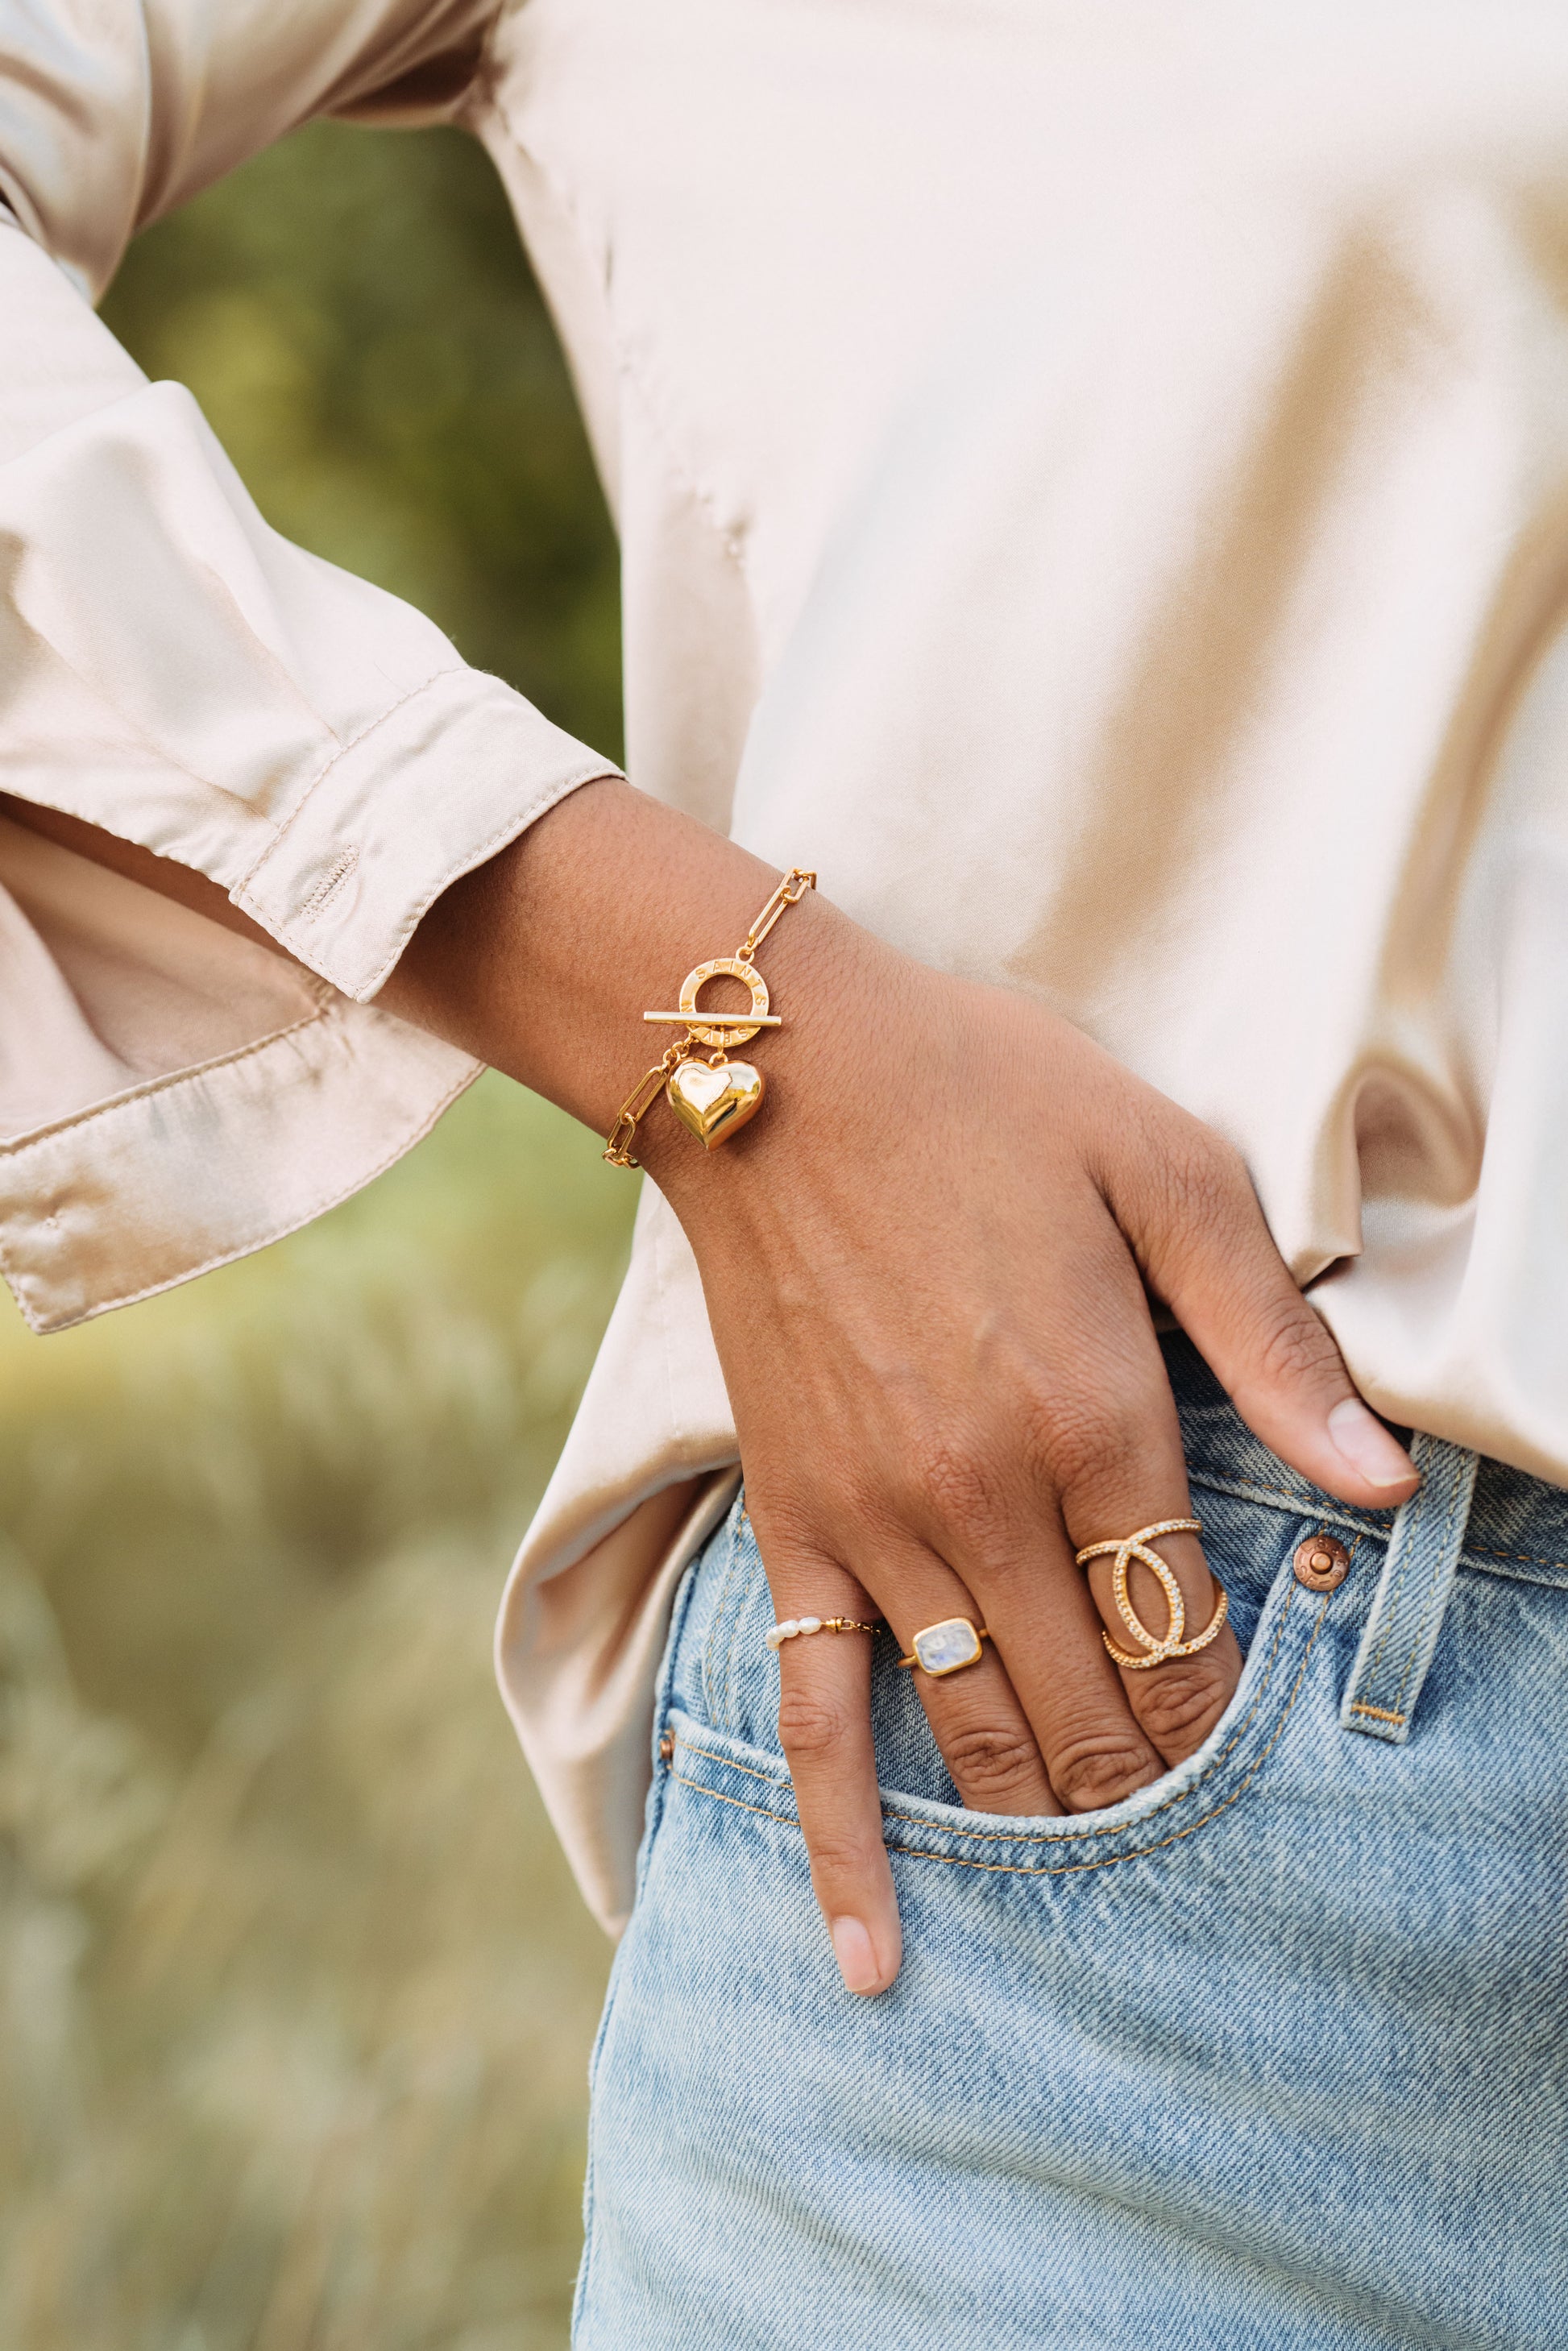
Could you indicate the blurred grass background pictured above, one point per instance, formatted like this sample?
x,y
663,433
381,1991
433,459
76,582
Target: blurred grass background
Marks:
x,y
295,1994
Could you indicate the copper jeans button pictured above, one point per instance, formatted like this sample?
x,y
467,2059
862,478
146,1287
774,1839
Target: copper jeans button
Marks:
x,y
1322,1563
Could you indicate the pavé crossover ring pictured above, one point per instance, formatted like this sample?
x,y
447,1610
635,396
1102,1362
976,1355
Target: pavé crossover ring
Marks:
x,y
1139,1546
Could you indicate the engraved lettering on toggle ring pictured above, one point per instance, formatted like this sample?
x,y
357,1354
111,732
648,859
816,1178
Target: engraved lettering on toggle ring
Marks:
x,y
735,1031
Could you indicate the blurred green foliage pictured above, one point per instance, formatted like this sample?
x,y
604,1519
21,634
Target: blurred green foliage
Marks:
x,y
295,1994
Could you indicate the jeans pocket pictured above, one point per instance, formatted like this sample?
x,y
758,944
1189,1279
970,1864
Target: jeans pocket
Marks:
x,y
1289,1661
1282,1627
721,1700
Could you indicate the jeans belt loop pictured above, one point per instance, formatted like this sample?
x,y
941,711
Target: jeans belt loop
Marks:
x,y
1412,1594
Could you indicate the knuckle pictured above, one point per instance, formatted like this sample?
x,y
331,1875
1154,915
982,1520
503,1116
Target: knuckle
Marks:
x,y
960,1480
837,1859
1091,1443
1100,1768
811,1725
1209,1176
1182,1704
991,1761
1203,1189
1293,1345
789,1527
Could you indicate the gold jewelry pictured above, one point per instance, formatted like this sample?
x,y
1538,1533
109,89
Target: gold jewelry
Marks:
x,y
711,1099
946,1647
791,1627
1171,1645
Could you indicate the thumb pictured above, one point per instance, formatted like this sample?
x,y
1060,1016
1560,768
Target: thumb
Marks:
x,y
1207,1252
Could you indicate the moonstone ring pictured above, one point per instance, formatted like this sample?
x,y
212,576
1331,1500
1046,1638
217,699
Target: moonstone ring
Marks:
x,y
948,1647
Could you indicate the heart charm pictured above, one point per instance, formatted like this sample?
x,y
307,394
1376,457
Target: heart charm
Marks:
x,y
714,1103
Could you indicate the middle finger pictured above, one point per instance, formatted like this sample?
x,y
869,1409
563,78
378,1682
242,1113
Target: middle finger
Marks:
x,y
974,1711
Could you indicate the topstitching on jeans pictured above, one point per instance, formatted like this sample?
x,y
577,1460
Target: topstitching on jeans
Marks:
x,y
1120,1828
1438,1587
734,1715
1020,1836
1043,1869
1296,1502
715,1713
1514,1558
1293,1502
1432,1603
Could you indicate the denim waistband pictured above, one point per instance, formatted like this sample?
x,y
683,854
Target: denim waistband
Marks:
x,y
1517,1525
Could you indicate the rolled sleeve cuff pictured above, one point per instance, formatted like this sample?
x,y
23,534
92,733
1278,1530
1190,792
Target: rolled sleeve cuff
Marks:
x,y
442,782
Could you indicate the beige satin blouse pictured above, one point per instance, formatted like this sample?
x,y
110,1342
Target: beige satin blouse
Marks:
x,y
1093,481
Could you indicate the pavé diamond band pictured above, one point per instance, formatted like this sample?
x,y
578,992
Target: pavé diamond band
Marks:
x,y
1157,1647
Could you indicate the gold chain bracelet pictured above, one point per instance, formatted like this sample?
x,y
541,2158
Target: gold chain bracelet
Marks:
x,y
713,1098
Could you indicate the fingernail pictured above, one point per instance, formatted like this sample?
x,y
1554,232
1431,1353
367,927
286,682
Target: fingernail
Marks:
x,y
1366,1444
856,1959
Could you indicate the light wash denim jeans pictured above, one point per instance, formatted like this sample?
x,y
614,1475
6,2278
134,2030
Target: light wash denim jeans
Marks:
x,y
1272,2057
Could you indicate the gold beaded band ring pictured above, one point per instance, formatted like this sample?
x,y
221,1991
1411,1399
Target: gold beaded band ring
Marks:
x,y
946,1647
1171,1645
713,1098
790,1628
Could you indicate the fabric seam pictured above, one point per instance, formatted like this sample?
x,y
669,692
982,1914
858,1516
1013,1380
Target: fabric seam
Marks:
x,y
517,821
1440,1555
280,1232
1517,1558
1304,1505
1253,1490
281,833
14,1145
1369,1679
717,1620
1444,1563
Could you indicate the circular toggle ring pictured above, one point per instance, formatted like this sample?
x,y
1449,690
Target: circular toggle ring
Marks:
x,y
1139,1546
725,968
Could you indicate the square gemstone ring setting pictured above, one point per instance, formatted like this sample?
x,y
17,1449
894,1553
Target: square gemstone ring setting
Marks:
x,y
943,1648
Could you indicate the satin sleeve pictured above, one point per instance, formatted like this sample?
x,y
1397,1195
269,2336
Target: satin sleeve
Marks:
x,y
177,672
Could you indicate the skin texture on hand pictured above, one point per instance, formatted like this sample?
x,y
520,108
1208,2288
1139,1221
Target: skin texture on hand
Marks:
x,y
928,1264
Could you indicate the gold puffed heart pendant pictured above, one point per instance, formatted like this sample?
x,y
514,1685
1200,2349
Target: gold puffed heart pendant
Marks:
x,y
713,1101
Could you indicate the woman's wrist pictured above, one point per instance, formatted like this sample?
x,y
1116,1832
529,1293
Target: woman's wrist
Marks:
x,y
544,962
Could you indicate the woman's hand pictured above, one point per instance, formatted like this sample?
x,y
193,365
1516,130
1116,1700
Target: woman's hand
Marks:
x,y
927,1265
